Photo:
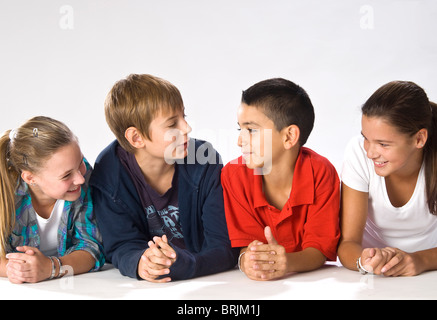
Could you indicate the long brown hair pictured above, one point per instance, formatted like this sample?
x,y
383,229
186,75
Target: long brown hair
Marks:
x,y
25,148
405,105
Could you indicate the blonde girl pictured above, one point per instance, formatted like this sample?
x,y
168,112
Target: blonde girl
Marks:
x,y
47,225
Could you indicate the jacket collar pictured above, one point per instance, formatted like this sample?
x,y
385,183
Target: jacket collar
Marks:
x,y
191,168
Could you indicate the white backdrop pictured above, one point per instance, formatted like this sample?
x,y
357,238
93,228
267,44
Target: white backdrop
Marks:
x,y
60,58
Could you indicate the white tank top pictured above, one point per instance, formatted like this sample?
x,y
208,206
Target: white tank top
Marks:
x,y
48,230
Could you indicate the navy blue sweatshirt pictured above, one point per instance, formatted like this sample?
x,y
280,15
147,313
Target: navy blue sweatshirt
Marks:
x,y
123,223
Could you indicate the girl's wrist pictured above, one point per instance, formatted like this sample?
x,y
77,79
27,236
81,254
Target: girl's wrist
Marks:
x,y
56,268
52,269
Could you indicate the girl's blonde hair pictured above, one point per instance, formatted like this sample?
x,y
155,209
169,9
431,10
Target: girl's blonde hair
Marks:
x,y
25,148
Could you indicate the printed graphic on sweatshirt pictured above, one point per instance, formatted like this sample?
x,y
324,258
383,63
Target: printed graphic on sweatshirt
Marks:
x,y
165,221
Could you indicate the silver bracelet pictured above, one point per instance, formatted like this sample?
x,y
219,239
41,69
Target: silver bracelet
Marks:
x,y
360,267
53,269
60,267
239,261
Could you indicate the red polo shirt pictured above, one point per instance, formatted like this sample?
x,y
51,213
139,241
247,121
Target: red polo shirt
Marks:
x,y
310,218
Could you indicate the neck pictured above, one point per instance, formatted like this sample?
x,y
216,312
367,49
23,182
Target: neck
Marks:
x,y
277,185
282,170
43,205
157,172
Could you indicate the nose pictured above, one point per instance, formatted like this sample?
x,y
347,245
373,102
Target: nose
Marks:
x,y
186,129
79,179
370,150
243,138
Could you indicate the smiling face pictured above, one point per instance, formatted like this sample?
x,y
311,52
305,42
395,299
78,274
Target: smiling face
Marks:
x,y
392,152
61,177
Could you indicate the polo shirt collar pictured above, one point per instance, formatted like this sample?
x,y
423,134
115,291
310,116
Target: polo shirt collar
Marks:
x,y
303,181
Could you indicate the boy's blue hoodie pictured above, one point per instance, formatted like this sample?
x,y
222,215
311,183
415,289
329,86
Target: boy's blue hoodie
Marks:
x,y
123,224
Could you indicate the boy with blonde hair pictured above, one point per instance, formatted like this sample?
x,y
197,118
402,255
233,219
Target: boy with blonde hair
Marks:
x,y
161,216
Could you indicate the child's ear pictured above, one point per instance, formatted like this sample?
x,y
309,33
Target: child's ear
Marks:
x,y
134,137
421,138
27,177
291,136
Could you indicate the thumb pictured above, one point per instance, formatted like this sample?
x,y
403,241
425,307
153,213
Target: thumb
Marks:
x,y
269,236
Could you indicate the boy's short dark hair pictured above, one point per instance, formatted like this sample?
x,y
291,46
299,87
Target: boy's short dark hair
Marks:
x,y
283,102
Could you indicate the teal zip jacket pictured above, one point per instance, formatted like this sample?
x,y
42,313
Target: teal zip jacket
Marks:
x,y
123,224
77,229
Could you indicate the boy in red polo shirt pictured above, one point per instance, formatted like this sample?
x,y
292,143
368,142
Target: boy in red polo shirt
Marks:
x,y
281,199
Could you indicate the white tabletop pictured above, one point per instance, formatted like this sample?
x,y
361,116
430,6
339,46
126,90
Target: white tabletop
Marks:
x,y
330,282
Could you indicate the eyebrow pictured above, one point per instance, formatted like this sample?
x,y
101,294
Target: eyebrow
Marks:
x,y
248,123
172,118
379,141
